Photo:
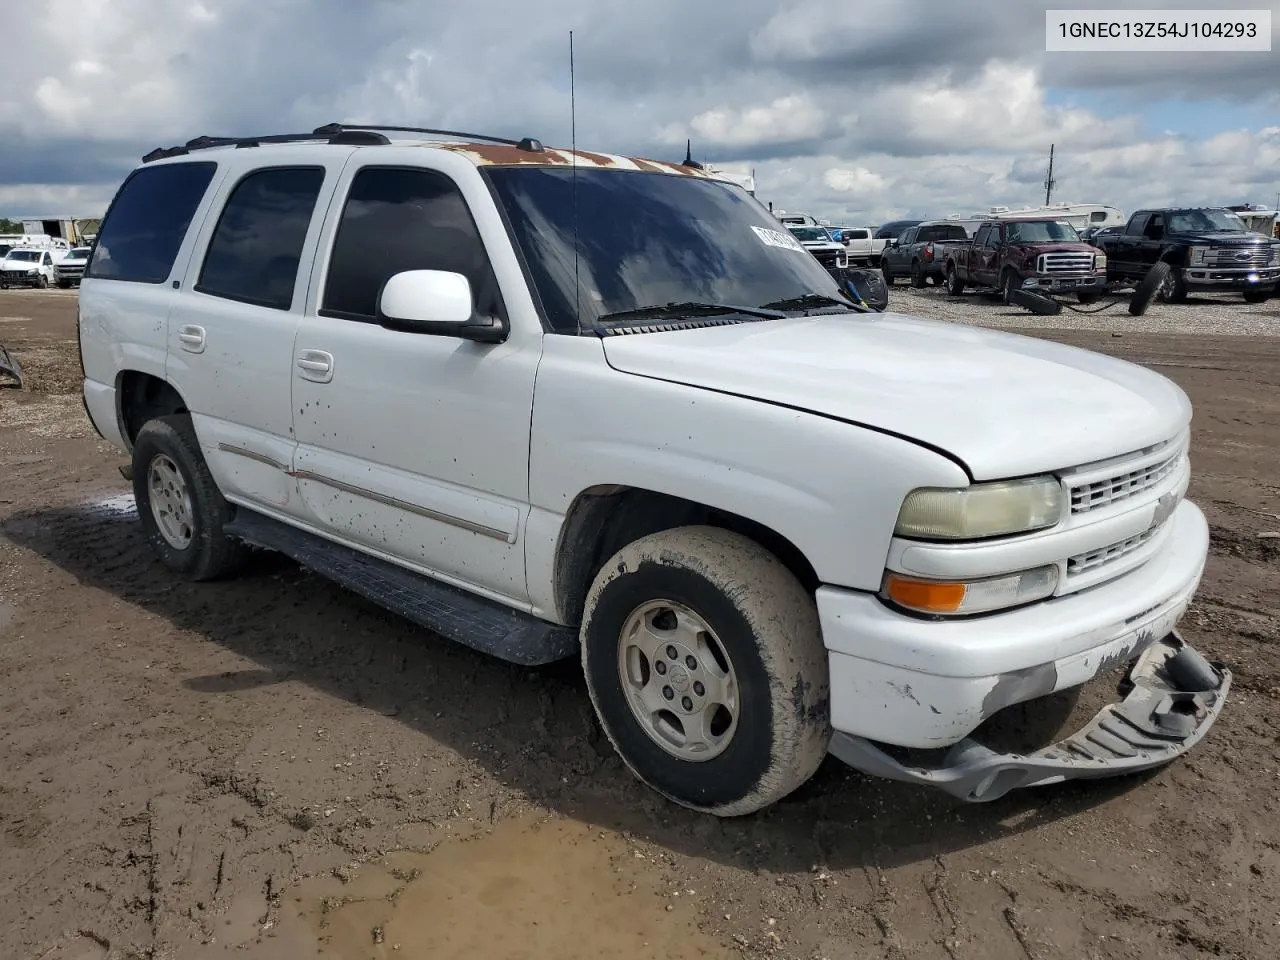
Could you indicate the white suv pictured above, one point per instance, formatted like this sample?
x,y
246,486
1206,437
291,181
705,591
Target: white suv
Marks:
x,y
552,404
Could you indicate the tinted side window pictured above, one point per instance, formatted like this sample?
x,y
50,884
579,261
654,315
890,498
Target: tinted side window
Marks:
x,y
908,236
140,237
399,219
254,252
1137,224
980,238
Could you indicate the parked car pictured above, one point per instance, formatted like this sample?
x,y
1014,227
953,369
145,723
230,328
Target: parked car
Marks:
x,y
68,271
1091,234
862,248
831,254
1208,249
921,252
1045,255
27,267
769,527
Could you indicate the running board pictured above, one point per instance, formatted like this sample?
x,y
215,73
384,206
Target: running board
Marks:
x,y
453,613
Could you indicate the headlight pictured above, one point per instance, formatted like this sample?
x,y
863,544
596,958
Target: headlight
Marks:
x,y
1099,261
1197,255
958,598
982,510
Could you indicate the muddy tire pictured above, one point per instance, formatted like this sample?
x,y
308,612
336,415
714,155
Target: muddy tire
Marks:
x,y
181,510
955,286
917,274
739,716
1009,282
888,273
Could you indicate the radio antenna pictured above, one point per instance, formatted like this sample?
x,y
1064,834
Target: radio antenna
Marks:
x,y
573,176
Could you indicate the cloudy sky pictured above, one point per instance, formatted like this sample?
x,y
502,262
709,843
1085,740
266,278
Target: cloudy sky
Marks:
x,y
858,110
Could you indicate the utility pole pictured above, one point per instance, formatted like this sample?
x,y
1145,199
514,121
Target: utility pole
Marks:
x,y
1049,182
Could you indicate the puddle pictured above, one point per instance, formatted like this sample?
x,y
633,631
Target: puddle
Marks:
x,y
525,891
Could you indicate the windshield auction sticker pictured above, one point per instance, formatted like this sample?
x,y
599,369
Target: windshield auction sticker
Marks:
x,y
1153,31
778,238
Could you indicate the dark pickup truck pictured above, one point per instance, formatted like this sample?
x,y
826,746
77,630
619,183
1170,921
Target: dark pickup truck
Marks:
x,y
1208,249
1044,255
921,252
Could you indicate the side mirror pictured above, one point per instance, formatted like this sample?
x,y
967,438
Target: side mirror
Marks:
x,y
845,241
894,243
437,303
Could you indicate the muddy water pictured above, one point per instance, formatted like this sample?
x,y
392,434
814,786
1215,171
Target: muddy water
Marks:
x,y
525,891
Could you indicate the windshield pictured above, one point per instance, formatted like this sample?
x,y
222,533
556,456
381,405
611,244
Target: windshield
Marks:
x,y
26,256
1042,231
79,252
647,239
810,234
1206,221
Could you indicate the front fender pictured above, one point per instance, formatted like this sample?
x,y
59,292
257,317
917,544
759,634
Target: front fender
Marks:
x,y
831,488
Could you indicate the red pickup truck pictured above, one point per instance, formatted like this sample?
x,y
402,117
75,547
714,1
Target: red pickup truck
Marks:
x,y
1045,255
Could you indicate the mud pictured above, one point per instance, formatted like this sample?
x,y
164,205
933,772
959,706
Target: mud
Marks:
x,y
269,767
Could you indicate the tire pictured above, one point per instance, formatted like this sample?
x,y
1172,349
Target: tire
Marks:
x,y
1148,287
765,626
1008,283
42,282
955,286
1037,303
166,452
1256,296
887,270
1087,298
64,284
1173,289
917,274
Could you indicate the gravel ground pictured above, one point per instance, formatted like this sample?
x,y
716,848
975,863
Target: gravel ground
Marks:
x,y
1218,315
269,768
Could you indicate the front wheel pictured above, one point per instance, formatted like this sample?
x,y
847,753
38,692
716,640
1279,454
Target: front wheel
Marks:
x,y
1256,296
1009,282
179,505
887,270
705,663
42,282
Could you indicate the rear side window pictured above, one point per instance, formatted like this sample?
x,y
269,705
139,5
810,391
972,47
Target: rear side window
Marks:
x,y
858,234
143,230
398,219
255,249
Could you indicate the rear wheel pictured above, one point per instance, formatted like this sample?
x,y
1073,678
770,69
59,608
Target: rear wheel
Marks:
x,y
917,274
955,286
180,507
705,664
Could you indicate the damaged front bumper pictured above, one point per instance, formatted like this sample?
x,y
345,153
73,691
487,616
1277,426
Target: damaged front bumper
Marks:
x,y
1173,697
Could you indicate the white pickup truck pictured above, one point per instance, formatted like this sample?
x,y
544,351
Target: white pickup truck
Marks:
x,y
862,247
553,404
29,267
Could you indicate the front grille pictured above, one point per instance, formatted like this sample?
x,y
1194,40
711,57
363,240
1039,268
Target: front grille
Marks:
x,y
828,258
1084,562
1053,264
1258,256
1122,486
72,271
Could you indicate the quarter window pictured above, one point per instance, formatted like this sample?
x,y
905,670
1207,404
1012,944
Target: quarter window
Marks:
x,y
254,253
399,219
143,230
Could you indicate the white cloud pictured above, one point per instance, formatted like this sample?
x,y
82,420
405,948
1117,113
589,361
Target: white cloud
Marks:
x,y
785,120
868,110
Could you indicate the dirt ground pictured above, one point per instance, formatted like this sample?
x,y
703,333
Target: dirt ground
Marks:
x,y
271,768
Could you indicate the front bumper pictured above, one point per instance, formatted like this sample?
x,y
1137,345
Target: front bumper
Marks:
x,y
913,682
1174,697
1208,279
1094,283
20,278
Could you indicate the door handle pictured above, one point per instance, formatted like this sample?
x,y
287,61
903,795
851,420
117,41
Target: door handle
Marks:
x,y
192,338
316,365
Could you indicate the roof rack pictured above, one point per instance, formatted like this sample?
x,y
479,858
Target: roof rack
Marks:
x,y
349,134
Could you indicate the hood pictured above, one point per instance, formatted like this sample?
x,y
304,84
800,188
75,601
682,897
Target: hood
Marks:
x,y
1228,238
1004,405
1054,246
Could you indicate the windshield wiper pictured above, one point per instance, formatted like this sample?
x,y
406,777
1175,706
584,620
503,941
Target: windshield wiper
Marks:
x,y
807,300
667,311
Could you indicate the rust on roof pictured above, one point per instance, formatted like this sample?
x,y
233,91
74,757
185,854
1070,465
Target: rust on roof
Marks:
x,y
495,155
